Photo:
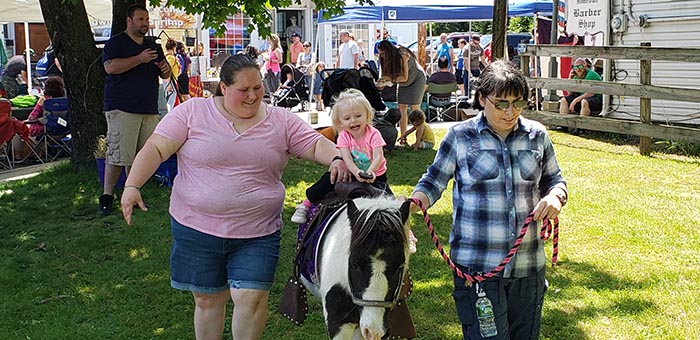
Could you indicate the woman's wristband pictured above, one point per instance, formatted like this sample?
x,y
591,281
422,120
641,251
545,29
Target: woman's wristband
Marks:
x,y
133,186
337,158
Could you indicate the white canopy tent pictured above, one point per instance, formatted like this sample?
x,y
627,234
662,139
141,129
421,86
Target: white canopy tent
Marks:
x,y
26,11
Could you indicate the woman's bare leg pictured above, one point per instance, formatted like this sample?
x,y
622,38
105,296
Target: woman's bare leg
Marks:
x,y
249,313
403,122
209,315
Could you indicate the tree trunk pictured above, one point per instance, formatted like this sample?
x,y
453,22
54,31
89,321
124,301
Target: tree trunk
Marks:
x,y
69,29
83,73
500,26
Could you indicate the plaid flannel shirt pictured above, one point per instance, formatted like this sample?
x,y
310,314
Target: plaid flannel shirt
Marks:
x,y
497,184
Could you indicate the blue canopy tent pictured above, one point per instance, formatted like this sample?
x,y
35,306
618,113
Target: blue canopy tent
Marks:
x,y
437,11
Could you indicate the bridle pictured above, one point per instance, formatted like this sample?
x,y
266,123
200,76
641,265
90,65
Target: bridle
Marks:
x,y
546,231
390,304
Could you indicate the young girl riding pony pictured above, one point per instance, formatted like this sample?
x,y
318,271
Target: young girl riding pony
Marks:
x,y
360,144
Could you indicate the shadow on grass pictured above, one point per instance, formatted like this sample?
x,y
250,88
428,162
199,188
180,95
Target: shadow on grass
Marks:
x,y
668,150
568,282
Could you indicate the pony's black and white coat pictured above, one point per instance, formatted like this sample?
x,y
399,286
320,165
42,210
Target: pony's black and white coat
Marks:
x,y
364,252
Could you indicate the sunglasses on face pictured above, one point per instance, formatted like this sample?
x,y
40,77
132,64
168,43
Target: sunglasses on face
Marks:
x,y
578,67
307,45
504,104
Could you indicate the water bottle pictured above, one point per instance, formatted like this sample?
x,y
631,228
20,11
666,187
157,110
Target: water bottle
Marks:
x,y
484,312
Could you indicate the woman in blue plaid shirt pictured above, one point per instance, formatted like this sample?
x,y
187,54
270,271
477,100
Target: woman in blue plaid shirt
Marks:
x,y
504,167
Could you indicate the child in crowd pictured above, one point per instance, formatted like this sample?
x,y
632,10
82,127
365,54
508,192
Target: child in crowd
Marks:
x,y
361,146
318,84
425,138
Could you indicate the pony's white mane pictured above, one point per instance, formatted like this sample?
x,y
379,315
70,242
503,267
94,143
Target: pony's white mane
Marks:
x,y
377,203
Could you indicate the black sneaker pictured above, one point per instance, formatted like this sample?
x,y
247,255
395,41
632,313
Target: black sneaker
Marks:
x,y
106,204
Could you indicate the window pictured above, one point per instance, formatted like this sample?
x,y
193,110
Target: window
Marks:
x,y
234,40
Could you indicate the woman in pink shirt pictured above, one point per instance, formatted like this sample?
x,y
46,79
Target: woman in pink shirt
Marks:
x,y
273,59
227,198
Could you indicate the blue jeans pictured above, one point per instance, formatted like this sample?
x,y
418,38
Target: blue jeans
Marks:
x,y
203,263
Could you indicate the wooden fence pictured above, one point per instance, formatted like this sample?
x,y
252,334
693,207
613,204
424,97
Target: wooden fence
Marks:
x,y
644,128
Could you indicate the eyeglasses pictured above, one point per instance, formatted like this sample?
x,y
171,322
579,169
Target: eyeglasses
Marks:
x,y
307,45
578,67
504,104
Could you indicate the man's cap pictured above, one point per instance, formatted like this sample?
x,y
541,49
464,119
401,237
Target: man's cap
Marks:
x,y
295,34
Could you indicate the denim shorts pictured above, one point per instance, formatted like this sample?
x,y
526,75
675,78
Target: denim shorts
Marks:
x,y
207,264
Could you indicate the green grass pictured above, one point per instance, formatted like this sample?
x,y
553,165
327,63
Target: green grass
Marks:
x,y
629,265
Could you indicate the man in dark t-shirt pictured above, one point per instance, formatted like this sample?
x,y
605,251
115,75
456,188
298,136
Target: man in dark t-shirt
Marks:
x,y
133,66
442,76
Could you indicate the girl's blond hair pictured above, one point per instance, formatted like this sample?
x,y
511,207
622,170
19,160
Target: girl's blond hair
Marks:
x,y
274,41
319,64
351,98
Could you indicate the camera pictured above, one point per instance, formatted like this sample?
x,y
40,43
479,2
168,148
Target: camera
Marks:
x,y
154,44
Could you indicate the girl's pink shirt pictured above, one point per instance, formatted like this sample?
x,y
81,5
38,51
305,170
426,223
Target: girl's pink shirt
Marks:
x,y
228,184
274,64
366,145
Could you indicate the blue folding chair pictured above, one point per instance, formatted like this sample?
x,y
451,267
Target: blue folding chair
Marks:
x,y
56,138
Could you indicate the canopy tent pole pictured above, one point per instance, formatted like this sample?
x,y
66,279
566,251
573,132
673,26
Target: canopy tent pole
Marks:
x,y
29,57
314,55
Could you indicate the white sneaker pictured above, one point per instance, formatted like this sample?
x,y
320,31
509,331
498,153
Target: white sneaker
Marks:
x,y
300,214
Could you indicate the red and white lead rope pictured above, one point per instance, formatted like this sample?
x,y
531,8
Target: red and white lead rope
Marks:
x,y
546,231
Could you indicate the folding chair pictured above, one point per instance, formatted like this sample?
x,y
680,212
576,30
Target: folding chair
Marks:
x,y
6,135
439,98
56,138
9,128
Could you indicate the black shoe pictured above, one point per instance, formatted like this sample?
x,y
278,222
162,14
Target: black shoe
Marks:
x,y
106,204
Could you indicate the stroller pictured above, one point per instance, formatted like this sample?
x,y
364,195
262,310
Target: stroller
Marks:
x,y
293,90
363,79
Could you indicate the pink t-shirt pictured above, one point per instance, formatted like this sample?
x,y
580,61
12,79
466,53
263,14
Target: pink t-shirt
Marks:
x,y
362,150
229,184
274,63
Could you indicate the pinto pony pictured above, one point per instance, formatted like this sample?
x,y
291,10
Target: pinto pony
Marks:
x,y
361,272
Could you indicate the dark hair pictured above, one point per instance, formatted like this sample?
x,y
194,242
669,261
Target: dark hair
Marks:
x,y
232,66
416,116
391,58
442,62
180,47
54,87
500,78
251,51
170,44
133,8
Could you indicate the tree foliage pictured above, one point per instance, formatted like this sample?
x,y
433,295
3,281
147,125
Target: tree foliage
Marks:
x,y
521,24
215,12
515,24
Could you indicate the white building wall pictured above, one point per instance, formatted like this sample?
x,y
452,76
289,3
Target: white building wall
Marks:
x,y
670,23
